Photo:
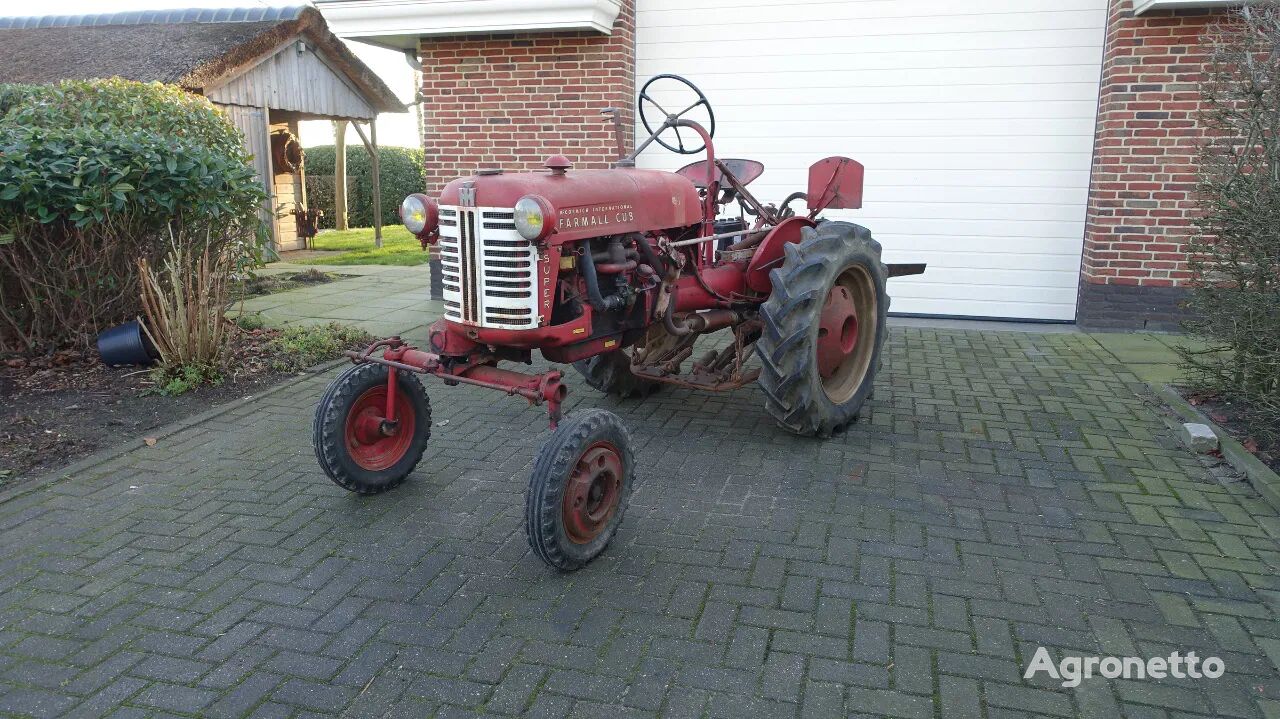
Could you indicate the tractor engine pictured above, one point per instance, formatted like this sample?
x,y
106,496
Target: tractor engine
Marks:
x,y
563,261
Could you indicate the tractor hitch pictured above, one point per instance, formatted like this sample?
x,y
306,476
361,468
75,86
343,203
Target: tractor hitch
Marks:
x,y
399,356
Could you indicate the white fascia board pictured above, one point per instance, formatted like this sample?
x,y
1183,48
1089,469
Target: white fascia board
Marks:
x,y
1141,6
401,22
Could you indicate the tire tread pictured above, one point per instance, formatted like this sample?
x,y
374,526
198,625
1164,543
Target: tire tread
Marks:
x,y
555,461
329,427
786,347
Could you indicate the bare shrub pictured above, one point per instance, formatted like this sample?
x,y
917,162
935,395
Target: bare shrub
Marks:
x,y
1235,258
184,305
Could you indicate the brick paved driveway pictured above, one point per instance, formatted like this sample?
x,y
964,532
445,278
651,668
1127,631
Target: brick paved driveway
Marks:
x,y
1008,491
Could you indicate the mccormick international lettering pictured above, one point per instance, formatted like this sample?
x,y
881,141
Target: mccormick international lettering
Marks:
x,y
573,218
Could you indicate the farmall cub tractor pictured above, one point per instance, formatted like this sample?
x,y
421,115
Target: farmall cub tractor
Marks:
x,y
619,272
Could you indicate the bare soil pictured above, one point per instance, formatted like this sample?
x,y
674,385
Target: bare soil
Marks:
x,y
271,284
57,408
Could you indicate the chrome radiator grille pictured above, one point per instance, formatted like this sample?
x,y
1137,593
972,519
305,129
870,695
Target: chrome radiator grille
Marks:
x,y
490,271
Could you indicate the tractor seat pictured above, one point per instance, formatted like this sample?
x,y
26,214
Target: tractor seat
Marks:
x,y
744,170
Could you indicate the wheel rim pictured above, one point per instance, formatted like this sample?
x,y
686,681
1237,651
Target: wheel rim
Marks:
x,y
846,334
368,444
591,495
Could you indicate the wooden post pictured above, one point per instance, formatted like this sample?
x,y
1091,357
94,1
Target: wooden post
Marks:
x,y
377,184
371,146
340,174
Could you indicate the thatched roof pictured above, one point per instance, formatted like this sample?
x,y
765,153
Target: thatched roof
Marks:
x,y
194,54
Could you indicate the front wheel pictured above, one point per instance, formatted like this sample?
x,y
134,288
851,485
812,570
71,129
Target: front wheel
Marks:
x,y
824,326
356,446
579,489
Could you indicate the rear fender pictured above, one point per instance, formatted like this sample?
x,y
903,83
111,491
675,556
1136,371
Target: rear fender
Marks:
x,y
835,184
769,254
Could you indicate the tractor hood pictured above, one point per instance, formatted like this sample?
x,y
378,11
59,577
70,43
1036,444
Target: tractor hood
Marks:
x,y
591,203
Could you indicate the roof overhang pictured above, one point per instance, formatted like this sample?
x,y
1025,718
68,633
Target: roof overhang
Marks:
x,y
1141,6
402,23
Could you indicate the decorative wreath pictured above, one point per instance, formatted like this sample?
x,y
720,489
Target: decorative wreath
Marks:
x,y
286,152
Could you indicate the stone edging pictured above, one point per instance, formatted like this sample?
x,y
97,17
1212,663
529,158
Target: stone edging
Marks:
x,y
1260,475
110,453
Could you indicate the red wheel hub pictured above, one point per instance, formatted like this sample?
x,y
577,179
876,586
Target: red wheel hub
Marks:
x,y
372,442
837,330
591,495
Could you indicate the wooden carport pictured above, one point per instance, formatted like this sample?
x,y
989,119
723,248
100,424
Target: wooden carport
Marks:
x,y
267,68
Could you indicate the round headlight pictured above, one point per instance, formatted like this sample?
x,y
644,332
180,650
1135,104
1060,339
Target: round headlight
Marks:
x,y
419,214
534,218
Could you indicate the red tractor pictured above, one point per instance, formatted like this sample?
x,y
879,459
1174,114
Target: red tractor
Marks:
x,y
619,272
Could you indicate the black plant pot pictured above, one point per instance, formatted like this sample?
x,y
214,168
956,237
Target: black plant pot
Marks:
x,y
126,344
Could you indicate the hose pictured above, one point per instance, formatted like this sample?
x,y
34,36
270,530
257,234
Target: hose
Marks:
x,y
787,211
598,301
650,257
614,269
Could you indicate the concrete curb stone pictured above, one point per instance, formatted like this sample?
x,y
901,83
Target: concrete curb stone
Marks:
x,y
1260,475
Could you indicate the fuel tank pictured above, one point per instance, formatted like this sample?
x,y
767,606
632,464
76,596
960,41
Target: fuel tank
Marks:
x,y
589,203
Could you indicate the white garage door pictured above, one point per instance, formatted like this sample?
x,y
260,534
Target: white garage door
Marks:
x,y
974,119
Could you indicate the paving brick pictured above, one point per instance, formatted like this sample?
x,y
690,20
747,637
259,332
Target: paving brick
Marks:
x,y
880,702
516,689
36,702
1006,491
175,698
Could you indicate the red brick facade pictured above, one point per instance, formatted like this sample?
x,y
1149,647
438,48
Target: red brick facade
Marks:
x,y
1141,198
511,100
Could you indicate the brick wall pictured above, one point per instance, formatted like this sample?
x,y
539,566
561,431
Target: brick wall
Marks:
x,y
1141,199
511,100
1142,205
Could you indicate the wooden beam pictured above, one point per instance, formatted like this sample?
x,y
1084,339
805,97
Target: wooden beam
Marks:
x,y
270,180
363,137
377,185
371,146
340,174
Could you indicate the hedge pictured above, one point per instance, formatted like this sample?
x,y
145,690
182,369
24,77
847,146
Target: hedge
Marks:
x,y
402,174
95,175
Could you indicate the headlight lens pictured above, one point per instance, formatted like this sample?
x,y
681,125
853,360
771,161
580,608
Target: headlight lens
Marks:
x,y
418,213
533,217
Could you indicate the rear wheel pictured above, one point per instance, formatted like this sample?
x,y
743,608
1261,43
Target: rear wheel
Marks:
x,y
579,489
824,326
611,373
355,444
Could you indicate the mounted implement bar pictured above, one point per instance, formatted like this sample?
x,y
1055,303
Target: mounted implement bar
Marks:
x,y
399,356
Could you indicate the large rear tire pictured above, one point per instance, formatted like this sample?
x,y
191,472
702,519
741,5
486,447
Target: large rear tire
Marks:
x,y
610,373
824,327
348,436
579,488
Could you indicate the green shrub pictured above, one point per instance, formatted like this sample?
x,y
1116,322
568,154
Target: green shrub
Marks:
x,y
173,380
251,321
403,173
308,346
95,175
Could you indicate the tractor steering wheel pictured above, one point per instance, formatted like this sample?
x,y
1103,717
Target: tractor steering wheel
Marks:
x,y
668,116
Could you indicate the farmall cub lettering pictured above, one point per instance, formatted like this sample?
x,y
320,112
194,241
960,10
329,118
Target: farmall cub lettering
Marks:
x,y
595,217
618,272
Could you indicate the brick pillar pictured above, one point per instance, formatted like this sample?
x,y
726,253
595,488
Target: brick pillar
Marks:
x,y
1142,206
511,100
